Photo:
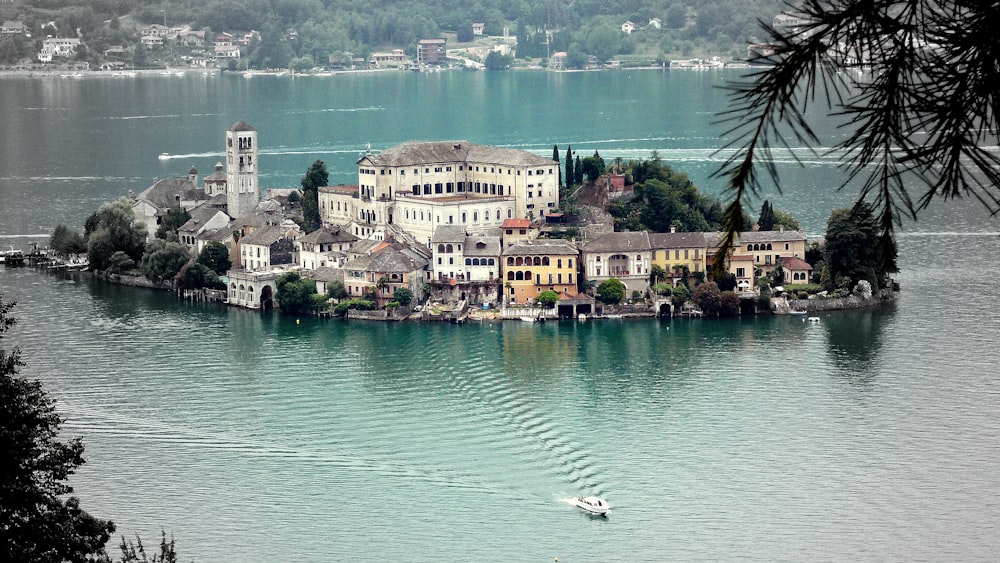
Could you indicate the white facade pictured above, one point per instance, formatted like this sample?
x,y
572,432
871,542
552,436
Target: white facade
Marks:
x,y
420,186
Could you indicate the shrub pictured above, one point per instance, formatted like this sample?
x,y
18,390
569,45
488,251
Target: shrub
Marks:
x,y
611,291
361,304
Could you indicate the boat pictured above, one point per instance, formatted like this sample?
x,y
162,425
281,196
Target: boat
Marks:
x,y
12,257
796,312
593,505
164,156
529,319
814,319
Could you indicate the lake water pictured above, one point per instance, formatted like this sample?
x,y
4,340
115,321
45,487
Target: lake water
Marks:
x,y
871,435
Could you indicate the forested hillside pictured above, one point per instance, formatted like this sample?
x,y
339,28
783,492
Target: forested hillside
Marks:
x,y
321,28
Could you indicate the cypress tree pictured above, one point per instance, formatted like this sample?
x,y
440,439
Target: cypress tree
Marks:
x,y
555,157
578,172
569,166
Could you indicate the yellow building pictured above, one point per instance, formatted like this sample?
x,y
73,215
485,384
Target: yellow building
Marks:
x,y
673,251
531,267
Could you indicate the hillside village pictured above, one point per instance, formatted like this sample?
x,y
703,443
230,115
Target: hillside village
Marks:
x,y
453,222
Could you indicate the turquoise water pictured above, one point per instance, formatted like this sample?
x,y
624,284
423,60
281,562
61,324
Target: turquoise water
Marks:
x,y
870,435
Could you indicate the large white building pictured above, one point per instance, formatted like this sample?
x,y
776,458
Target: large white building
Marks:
x,y
418,186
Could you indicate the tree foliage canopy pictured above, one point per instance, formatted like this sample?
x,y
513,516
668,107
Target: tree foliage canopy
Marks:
x,y
36,524
163,260
611,291
852,250
112,228
315,178
920,120
215,257
295,293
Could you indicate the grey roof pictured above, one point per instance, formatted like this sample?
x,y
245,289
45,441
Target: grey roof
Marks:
x,y
430,152
395,258
771,236
539,247
266,236
199,216
325,235
323,273
218,235
677,240
241,126
482,246
163,193
449,233
619,242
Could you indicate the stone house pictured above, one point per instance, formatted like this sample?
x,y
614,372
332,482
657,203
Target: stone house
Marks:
x,y
531,267
624,256
326,247
392,266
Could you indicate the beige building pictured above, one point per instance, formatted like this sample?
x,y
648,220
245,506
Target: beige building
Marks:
x,y
419,186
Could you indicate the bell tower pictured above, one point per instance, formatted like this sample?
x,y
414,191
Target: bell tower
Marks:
x,y
242,189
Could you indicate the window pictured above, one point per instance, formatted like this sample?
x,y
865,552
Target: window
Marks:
x,y
741,272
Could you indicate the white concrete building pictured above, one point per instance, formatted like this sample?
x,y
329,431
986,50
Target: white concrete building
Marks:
x,y
419,186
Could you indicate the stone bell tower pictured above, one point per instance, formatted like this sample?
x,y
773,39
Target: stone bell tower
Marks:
x,y
242,189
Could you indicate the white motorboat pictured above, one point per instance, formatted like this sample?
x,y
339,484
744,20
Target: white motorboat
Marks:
x,y
529,319
796,312
593,505
814,319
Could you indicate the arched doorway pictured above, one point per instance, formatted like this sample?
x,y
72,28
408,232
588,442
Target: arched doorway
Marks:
x,y
266,299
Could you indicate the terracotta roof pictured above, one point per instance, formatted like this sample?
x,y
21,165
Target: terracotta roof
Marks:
x,y
793,263
516,224
265,236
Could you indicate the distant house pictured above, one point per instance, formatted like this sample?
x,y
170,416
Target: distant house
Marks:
x,y
223,39
391,266
558,60
324,247
628,27
64,47
222,52
268,246
155,30
153,203
478,28
514,231
534,266
203,218
624,256
432,51
13,28
190,38
395,58
795,270
152,41
656,23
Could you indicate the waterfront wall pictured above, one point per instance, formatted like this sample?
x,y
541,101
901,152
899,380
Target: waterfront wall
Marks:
x,y
883,297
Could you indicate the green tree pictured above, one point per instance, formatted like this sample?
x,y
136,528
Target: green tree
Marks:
x,y
173,219
911,137
66,241
708,298
316,177
785,220
294,293
593,167
336,289
676,16
112,228
547,298
555,157
569,167
496,61
215,257
403,295
196,276
852,250
766,219
611,291
578,172
38,522
120,263
163,260
134,552
464,34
